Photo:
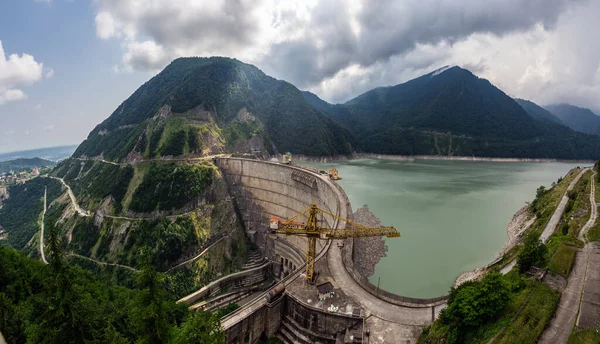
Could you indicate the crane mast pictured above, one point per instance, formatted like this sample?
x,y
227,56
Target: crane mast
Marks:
x,y
312,231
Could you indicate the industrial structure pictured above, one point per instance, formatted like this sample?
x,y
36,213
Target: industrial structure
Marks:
x,y
287,158
342,306
333,174
312,230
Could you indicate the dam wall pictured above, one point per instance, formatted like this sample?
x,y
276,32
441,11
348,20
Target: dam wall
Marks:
x,y
263,189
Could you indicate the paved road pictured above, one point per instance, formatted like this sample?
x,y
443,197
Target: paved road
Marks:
x,y
551,225
559,329
371,304
42,231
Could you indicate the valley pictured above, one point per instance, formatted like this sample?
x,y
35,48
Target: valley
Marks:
x,y
182,180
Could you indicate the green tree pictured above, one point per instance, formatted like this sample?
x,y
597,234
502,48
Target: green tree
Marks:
x,y
474,303
67,312
148,315
532,253
540,191
200,328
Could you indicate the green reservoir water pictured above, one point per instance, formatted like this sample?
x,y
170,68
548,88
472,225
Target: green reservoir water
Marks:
x,y
452,215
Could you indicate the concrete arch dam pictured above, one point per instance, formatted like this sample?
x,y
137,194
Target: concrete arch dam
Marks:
x,y
352,309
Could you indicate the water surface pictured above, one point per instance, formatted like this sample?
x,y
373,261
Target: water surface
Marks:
x,y
452,215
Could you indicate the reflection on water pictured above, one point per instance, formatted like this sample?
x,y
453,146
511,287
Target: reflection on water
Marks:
x,y
452,214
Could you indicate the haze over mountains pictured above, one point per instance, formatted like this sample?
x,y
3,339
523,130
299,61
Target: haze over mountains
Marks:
x,y
200,106
576,118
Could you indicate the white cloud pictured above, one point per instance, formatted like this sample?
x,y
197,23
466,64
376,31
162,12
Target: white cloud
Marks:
x,y
105,25
145,55
27,132
47,2
37,107
48,128
9,132
17,71
11,95
539,49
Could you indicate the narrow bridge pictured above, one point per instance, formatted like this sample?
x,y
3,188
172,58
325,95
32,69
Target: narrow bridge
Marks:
x,y
353,310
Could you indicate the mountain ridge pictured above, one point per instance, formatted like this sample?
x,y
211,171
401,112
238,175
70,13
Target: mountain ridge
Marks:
x,y
224,97
452,117
577,118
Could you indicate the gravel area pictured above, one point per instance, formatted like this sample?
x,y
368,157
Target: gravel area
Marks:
x,y
367,251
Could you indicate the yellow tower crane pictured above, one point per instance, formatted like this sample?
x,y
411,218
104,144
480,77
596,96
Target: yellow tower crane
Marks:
x,y
312,231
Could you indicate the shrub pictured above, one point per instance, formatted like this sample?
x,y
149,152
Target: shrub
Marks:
x,y
532,253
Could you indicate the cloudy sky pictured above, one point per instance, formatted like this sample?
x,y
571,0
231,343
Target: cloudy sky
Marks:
x,y
65,65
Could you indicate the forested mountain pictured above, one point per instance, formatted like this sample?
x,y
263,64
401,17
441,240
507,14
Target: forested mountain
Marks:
x,y
538,112
23,164
452,112
580,119
199,106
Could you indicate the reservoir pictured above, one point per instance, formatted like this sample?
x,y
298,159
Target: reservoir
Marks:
x,y
452,215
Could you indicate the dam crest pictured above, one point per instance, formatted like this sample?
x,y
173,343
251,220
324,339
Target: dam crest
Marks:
x,y
342,306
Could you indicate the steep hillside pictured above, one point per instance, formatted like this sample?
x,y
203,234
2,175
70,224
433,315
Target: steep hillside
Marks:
x,y
538,112
576,118
200,106
120,213
452,112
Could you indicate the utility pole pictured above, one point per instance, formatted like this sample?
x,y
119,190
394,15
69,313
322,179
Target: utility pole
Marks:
x,y
378,281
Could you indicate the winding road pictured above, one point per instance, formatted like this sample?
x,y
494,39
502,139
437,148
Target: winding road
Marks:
x,y
559,328
42,231
103,263
80,211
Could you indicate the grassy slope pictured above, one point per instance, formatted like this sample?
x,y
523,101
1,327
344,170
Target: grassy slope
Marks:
x,y
544,208
531,307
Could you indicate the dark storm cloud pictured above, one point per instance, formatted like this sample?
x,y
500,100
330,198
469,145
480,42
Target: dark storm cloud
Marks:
x,y
345,46
389,28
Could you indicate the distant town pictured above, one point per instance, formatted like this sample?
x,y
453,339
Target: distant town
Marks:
x,y
12,178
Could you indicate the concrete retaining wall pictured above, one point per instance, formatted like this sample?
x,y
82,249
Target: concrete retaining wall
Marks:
x,y
233,281
262,189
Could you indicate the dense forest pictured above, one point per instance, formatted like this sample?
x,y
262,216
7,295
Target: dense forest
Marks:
x,y
223,87
170,186
576,118
453,112
62,303
19,214
93,181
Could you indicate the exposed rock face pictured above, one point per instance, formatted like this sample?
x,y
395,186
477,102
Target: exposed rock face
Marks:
x,y
367,251
3,195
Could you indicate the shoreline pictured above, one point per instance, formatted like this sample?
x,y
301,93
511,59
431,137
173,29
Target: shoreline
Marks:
x,y
336,158
518,225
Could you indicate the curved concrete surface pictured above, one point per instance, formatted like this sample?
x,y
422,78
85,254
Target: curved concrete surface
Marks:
x,y
262,189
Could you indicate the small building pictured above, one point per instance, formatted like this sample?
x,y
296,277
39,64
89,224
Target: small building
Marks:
x,y
325,290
